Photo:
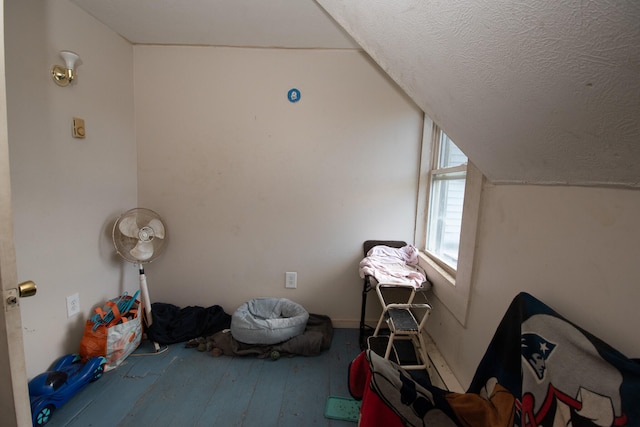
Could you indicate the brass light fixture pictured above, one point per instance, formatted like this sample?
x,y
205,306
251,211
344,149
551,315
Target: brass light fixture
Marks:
x,y
65,75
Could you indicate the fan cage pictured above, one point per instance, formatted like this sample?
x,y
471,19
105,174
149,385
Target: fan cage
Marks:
x,y
124,244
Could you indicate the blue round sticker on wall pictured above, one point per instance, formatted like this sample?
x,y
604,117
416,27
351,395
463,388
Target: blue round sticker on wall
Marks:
x,y
293,95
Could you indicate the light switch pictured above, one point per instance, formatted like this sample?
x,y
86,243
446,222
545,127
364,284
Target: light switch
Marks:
x,y
78,128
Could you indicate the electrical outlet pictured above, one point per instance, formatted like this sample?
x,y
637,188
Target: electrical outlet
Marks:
x,y
73,305
291,279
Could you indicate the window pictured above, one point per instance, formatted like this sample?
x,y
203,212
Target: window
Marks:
x,y
444,218
447,215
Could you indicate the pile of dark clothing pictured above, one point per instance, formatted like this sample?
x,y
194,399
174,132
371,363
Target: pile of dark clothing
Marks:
x,y
172,324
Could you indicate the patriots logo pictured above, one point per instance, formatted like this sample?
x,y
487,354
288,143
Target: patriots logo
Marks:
x,y
536,350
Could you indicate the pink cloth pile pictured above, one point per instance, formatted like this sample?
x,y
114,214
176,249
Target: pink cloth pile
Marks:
x,y
394,266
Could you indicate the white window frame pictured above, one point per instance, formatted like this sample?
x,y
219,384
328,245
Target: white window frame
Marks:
x,y
451,287
436,169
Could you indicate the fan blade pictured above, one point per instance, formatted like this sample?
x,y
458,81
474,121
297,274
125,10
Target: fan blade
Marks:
x,y
129,227
142,251
158,228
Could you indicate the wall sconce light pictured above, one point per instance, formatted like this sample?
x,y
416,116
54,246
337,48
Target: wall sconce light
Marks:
x,y
65,75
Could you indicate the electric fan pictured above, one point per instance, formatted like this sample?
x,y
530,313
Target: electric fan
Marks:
x,y
139,236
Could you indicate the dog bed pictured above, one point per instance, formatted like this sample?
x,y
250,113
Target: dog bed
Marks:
x,y
268,321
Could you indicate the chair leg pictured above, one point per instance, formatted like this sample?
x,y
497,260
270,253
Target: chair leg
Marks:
x,y
375,333
389,345
422,349
362,313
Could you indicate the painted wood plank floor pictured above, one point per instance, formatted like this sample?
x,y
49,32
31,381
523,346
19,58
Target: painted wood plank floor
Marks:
x,y
185,387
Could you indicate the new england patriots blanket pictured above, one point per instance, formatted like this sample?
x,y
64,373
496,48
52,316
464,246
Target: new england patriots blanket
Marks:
x,y
539,370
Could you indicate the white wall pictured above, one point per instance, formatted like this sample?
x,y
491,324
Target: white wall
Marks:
x,y
67,192
574,248
252,186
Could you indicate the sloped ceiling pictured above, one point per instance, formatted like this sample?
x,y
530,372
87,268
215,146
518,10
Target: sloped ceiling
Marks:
x,y
533,92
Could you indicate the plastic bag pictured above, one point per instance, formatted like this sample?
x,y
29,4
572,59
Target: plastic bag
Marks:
x,y
112,333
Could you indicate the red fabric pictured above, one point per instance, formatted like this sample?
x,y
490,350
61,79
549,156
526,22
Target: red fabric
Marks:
x,y
359,375
373,411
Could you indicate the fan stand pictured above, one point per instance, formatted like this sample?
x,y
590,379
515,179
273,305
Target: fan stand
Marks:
x,y
146,301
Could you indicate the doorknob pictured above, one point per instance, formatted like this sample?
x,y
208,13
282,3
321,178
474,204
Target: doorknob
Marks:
x,y
27,289
10,296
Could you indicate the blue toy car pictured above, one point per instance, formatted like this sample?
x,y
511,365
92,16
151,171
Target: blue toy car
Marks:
x,y
52,389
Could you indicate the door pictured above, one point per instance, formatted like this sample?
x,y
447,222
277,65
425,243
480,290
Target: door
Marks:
x,y
14,394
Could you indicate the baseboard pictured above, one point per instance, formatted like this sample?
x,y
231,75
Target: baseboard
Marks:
x,y
345,324
440,373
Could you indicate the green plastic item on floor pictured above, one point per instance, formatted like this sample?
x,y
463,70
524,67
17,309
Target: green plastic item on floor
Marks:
x,y
342,408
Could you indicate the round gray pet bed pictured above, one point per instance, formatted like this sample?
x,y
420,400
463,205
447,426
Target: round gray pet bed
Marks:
x,y
268,321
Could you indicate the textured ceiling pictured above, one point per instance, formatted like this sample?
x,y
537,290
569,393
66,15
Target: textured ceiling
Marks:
x,y
542,92
257,23
533,92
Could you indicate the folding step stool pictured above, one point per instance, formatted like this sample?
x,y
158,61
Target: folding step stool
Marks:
x,y
406,322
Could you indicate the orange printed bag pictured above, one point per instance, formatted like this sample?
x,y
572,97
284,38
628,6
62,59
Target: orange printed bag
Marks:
x,y
114,331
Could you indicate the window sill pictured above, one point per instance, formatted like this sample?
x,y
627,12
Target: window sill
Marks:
x,y
434,271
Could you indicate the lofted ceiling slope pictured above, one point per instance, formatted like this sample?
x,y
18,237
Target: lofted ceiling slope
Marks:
x,y
532,92
542,93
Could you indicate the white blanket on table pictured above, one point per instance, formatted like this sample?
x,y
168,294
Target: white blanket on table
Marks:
x,y
394,266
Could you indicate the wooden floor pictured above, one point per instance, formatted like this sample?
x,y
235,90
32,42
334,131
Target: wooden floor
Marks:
x,y
184,387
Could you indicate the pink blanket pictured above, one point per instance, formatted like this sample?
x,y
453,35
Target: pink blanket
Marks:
x,y
393,266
